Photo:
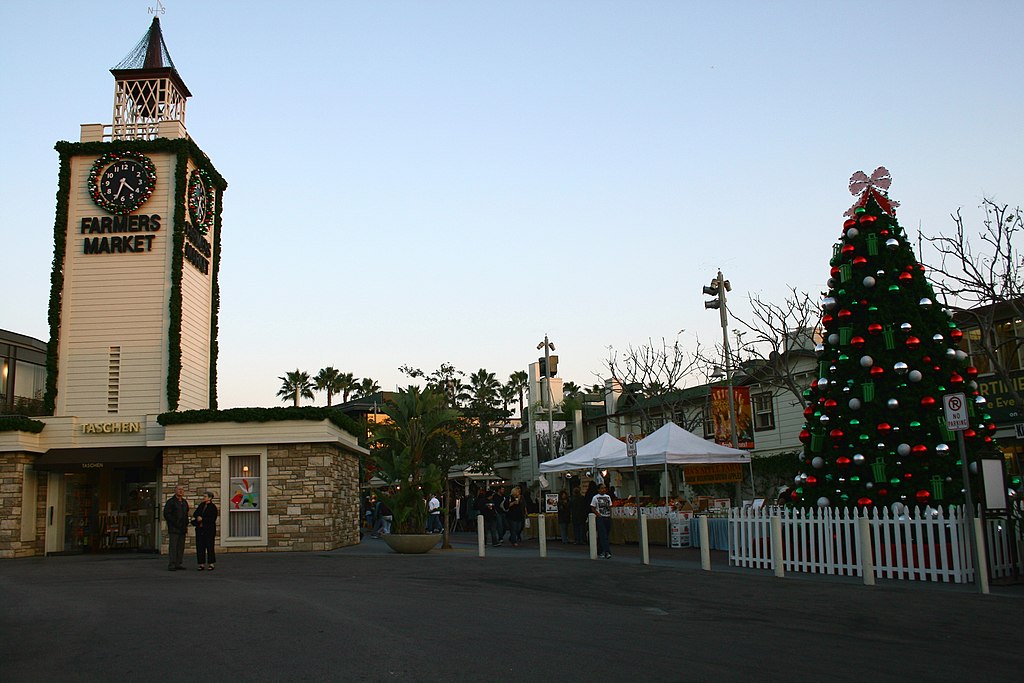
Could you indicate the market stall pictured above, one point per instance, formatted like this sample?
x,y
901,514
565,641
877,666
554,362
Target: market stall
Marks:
x,y
605,446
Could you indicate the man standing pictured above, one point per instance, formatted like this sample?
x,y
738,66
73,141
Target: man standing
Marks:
x,y
601,505
501,508
176,516
434,525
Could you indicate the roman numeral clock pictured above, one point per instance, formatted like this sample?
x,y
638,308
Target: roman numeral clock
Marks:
x,y
134,295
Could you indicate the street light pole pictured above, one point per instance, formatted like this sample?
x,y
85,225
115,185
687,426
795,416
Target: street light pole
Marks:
x,y
719,286
548,401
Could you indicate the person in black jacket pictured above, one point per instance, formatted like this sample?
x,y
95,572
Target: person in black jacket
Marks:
x,y
579,509
205,521
176,516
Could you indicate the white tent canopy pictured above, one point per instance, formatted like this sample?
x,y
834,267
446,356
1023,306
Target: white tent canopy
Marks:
x,y
673,445
604,446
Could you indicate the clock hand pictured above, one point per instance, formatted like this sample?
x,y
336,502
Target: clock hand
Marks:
x,y
125,183
119,188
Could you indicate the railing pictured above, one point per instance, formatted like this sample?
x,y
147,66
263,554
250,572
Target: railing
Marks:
x,y
926,544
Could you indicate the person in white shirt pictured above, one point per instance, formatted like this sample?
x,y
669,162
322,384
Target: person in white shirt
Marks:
x,y
434,525
601,506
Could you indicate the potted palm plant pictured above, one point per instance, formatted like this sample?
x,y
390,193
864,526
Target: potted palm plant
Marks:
x,y
419,425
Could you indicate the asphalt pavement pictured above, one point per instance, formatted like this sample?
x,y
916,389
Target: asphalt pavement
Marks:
x,y
366,614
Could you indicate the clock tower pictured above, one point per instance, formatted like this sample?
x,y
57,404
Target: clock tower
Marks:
x,y
134,296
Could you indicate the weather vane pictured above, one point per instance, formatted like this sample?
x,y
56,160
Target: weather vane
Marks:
x,y
159,9
877,185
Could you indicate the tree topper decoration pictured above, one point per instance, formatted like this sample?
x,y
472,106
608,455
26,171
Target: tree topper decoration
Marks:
x,y
876,186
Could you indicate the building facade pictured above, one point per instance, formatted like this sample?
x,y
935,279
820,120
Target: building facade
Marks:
x,y
129,401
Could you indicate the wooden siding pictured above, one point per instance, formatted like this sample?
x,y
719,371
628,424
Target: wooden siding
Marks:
x,y
115,300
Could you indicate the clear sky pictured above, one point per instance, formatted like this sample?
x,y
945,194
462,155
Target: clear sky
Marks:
x,y
428,182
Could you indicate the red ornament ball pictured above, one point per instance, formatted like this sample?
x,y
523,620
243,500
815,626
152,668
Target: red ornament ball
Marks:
x,y
842,461
827,320
955,378
876,371
884,428
923,496
912,342
972,372
812,480
857,342
860,261
919,449
864,501
830,404
850,222
805,436
849,249
874,328
836,434
905,277
956,334
927,401
845,314
835,271
970,433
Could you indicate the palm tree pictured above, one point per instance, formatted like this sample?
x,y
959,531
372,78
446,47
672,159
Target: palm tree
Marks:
x,y
327,380
519,382
413,440
366,387
571,390
484,388
295,385
347,383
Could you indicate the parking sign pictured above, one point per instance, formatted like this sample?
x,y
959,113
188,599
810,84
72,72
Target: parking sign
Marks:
x,y
955,408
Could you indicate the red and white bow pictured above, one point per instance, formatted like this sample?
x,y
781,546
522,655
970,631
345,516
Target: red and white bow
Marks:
x,y
876,185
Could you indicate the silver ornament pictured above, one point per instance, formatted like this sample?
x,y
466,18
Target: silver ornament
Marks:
x,y
869,281
892,244
822,382
951,353
818,462
854,404
900,368
833,339
828,303
852,233
925,302
914,376
961,355
819,349
892,404
824,419
858,458
903,449
866,361
906,327
942,449
824,502
980,401
937,338
830,283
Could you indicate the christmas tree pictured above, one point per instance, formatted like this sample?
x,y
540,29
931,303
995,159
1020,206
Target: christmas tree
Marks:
x,y
875,432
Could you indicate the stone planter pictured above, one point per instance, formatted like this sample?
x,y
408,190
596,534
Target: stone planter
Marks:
x,y
411,543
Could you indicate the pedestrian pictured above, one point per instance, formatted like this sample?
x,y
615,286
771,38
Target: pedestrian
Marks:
x,y
602,508
564,516
501,509
516,517
176,516
205,521
579,510
434,525
486,507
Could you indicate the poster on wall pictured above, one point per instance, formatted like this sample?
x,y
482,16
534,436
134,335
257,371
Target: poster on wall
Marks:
x,y
550,503
744,419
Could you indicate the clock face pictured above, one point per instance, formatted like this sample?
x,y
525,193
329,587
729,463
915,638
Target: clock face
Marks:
x,y
121,183
200,200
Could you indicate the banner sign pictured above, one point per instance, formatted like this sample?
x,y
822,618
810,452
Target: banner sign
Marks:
x,y
723,473
744,419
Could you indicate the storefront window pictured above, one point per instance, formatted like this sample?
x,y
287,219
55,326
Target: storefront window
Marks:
x,y
764,411
244,496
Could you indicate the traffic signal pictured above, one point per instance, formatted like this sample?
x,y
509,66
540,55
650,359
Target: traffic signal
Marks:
x,y
715,290
544,366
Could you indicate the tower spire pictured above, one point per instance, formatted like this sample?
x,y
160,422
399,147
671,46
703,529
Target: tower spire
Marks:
x,y
147,89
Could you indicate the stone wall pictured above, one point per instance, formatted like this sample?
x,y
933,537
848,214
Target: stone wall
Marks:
x,y
12,481
312,494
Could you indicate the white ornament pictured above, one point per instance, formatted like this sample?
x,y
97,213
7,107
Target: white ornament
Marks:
x,y
914,376
869,282
824,502
818,462
852,233
854,404
866,361
903,449
833,339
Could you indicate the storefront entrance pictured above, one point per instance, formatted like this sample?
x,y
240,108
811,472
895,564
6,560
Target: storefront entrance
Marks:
x,y
96,506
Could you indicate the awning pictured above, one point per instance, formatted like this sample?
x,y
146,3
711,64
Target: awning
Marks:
x,y
63,459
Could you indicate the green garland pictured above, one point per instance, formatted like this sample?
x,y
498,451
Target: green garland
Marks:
x,y
279,414
20,423
184,149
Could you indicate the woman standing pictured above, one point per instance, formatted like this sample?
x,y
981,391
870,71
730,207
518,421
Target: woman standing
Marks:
x,y
516,516
205,521
564,516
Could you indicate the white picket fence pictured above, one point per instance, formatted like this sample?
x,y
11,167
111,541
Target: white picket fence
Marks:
x,y
924,544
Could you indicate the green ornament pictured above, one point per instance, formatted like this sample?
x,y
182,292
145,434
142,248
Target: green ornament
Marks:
x,y
895,481
854,422
894,288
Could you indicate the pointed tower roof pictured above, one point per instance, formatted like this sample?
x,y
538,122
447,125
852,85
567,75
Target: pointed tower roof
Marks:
x,y
150,58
